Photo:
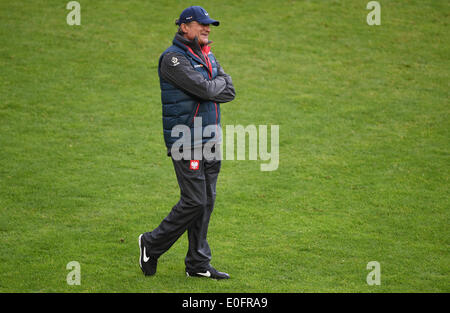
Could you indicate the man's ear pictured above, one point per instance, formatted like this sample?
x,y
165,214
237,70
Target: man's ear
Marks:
x,y
184,27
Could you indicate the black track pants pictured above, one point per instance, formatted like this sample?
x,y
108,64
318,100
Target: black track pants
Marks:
x,y
197,184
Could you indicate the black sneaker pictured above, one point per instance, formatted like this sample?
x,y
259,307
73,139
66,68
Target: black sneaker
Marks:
x,y
147,264
210,273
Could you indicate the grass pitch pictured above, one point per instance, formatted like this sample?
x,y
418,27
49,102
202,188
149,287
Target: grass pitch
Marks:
x,y
364,147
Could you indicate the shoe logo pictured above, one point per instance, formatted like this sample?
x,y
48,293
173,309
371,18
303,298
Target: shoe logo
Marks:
x,y
206,274
145,258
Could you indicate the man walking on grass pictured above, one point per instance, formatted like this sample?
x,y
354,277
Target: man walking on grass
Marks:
x,y
193,84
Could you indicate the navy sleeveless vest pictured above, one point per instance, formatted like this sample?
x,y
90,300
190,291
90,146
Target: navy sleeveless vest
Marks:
x,y
180,108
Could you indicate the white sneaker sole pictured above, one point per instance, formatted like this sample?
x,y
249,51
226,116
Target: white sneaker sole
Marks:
x,y
140,250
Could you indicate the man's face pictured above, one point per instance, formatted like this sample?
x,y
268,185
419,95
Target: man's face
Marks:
x,y
194,29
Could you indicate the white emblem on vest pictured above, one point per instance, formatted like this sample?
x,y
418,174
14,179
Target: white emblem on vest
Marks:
x,y
175,61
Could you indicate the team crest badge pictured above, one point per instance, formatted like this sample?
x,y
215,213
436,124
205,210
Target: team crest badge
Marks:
x,y
195,165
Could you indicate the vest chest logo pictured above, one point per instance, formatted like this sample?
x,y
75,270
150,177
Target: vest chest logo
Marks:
x,y
198,65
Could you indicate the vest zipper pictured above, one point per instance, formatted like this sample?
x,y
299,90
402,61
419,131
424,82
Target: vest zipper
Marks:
x,y
217,118
195,114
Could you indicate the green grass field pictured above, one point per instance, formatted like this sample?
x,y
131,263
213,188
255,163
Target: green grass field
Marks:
x,y
364,146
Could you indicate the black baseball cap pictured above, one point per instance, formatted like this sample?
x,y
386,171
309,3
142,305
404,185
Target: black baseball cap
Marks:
x,y
198,14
